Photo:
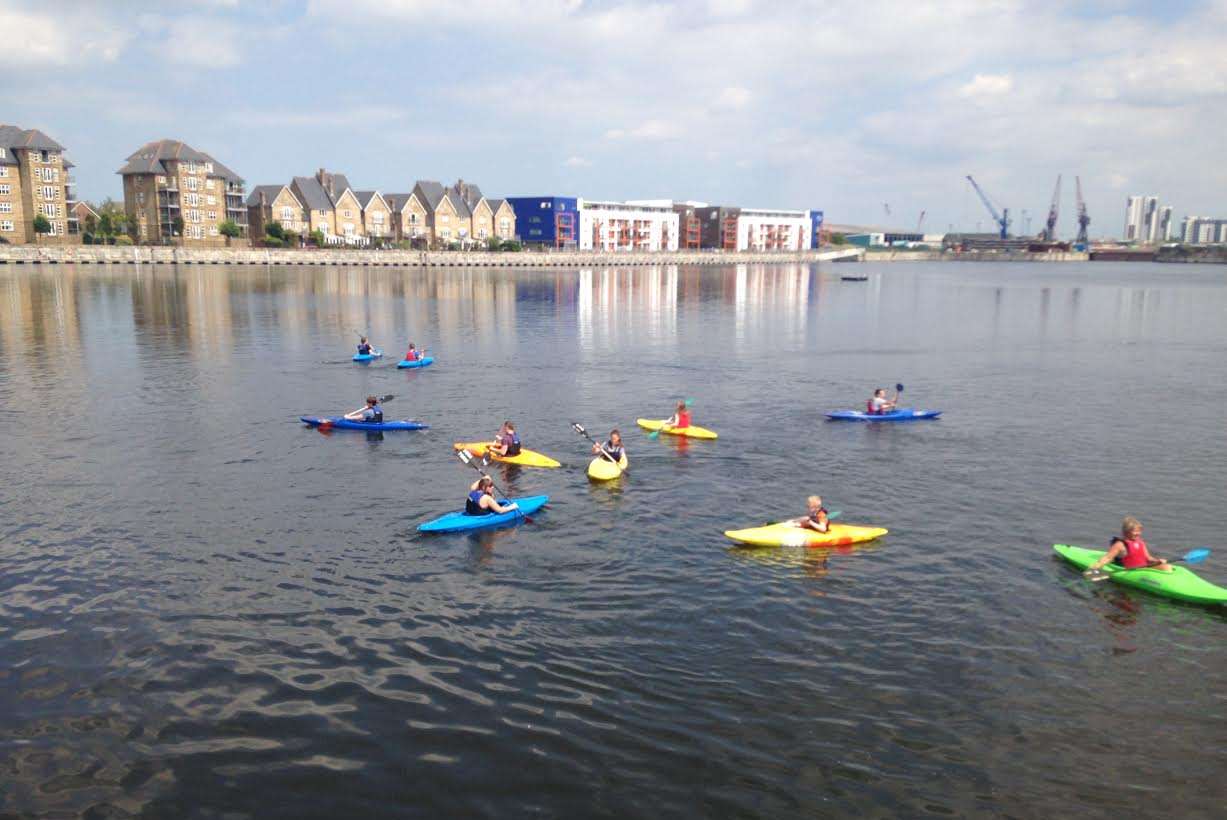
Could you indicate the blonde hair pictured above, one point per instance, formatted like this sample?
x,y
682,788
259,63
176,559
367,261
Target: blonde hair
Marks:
x,y
814,498
1128,524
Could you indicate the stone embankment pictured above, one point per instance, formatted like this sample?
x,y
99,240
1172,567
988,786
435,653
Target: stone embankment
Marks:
x,y
974,256
116,255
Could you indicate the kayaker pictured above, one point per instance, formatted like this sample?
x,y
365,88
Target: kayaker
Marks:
x,y
507,442
372,412
816,518
680,418
613,447
879,404
364,347
412,355
1129,550
481,500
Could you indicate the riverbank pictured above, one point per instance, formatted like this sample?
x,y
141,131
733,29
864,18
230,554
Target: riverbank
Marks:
x,y
973,256
116,255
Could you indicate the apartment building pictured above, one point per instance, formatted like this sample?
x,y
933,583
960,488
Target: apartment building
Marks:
x,y
34,181
622,226
757,229
548,221
172,192
275,203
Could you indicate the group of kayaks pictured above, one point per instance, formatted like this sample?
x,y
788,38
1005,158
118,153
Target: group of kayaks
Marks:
x,y
403,364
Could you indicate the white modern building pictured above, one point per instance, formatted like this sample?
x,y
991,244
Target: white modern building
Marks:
x,y
1203,230
1163,225
626,226
761,229
1142,219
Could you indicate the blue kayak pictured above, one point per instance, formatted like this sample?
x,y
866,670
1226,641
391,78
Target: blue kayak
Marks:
x,y
425,361
368,357
459,522
342,423
898,414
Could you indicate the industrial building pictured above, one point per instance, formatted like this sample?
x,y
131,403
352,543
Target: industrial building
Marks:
x,y
1203,230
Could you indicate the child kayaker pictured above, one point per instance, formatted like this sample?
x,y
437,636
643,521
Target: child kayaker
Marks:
x,y
364,347
613,446
412,355
507,441
1129,550
680,418
372,412
816,516
481,500
879,404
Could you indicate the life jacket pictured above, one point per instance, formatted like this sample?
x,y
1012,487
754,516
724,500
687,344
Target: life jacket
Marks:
x,y
364,349
1135,553
411,356
683,419
512,440
472,504
373,414
813,517
615,452
871,409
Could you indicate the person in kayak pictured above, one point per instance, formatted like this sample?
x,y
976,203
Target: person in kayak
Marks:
x,y
364,347
613,447
879,404
412,354
507,442
481,500
1129,550
680,418
816,518
371,413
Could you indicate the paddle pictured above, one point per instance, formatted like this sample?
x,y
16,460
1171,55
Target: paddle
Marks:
x,y
325,423
579,429
898,390
656,433
1191,557
466,457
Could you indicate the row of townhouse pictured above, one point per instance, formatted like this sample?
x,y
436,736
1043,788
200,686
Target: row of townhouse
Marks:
x,y
428,215
34,182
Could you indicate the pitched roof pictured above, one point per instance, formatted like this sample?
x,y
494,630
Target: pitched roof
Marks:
x,y
495,204
311,193
365,197
13,137
151,158
462,208
270,192
431,191
470,193
334,185
398,201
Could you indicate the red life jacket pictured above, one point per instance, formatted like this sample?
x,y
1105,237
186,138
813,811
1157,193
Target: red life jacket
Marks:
x,y
683,418
1135,553
411,356
869,408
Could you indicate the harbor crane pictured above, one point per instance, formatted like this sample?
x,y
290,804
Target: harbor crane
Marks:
x,y
1002,219
920,221
1050,227
1083,219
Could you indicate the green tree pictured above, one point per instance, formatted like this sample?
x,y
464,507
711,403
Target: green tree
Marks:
x,y
838,239
111,217
105,226
41,225
317,236
91,224
229,229
275,230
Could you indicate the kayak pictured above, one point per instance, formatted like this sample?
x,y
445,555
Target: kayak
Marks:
x,y
1180,583
368,357
784,534
425,361
899,414
602,469
526,458
342,423
459,522
692,431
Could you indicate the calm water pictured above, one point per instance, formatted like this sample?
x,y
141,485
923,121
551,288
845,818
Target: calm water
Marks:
x,y
209,610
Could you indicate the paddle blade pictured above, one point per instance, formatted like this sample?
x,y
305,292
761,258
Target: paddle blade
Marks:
x,y
898,388
464,455
1195,556
578,428
388,397
655,433
833,514
689,402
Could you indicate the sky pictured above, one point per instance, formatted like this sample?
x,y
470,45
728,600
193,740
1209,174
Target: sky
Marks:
x,y
848,107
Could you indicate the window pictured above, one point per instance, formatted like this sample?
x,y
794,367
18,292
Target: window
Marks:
x,y
5,190
347,214
6,225
413,219
6,207
211,200
445,233
348,228
481,233
192,200
213,216
3,153
377,218
192,182
57,228
504,226
209,167
161,180
140,197
213,231
4,169
48,192
287,213
444,218
193,216
208,185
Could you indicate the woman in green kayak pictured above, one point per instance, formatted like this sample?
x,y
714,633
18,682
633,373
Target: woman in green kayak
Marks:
x,y
1129,550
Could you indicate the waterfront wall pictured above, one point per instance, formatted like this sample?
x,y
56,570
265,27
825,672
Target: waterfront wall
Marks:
x,y
974,256
115,255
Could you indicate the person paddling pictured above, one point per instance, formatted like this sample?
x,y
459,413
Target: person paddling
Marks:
x,y
879,404
816,518
372,412
1129,550
412,354
364,347
613,447
506,442
680,418
481,500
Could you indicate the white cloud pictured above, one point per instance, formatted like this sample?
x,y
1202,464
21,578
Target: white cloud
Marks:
x,y
49,40
577,162
647,130
735,97
987,85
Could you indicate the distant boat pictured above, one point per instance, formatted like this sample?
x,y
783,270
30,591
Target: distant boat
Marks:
x,y
861,278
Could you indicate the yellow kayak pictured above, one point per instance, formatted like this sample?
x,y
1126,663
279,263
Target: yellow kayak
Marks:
x,y
790,535
526,458
602,469
692,431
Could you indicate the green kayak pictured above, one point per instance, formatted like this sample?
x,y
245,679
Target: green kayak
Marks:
x,y
1180,583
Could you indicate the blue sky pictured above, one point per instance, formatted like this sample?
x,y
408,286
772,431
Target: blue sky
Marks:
x,y
839,106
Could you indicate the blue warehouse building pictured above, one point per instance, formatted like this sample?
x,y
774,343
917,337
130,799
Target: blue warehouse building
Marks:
x,y
547,220
815,222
